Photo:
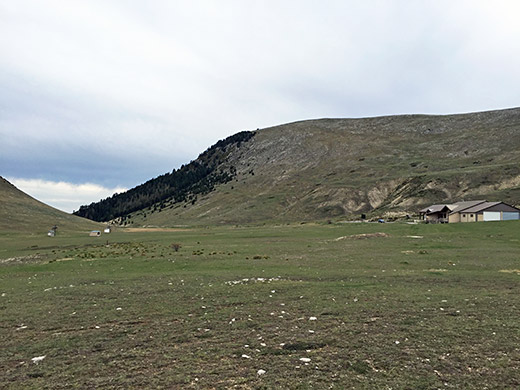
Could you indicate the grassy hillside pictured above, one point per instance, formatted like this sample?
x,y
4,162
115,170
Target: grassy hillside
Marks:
x,y
21,213
340,168
344,306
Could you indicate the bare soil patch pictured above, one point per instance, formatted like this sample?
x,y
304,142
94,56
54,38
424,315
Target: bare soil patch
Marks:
x,y
21,259
158,229
363,236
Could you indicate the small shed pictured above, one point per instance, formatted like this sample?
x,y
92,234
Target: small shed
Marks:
x,y
107,230
95,233
52,232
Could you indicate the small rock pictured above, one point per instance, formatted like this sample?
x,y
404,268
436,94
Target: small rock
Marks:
x,y
38,359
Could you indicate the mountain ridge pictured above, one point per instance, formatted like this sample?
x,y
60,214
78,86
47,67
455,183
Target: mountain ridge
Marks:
x,y
340,168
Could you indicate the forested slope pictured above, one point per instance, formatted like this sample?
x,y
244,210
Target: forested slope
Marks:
x,y
184,184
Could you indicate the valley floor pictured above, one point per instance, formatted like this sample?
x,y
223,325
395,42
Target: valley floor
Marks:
x,y
346,306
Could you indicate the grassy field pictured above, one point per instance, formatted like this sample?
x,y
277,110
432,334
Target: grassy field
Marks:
x,y
361,306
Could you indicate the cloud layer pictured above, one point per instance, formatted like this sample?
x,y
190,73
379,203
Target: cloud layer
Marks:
x,y
63,196
115,93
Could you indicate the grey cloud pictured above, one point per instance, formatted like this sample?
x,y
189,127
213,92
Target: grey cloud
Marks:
x,y
118,92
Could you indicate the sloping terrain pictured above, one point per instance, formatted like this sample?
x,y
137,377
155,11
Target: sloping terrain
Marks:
x,y
199,177
21,213
340,168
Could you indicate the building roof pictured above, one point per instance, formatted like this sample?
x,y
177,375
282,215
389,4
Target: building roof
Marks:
x,y
436,208
433,208
472,206
481,206
462,206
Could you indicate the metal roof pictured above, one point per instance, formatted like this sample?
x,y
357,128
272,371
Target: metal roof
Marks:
x,y
471,206
434,208
480,207
462,206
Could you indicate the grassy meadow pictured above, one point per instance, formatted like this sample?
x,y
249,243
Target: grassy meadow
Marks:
x,y
345,306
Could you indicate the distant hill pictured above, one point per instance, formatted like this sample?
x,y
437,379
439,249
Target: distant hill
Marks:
x,y
340,168
21,213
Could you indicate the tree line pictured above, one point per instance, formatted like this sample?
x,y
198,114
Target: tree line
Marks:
x,y
199,177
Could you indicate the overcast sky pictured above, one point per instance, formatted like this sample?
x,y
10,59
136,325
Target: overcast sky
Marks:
x,y
99,96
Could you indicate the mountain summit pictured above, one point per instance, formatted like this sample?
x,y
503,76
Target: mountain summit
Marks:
x,y
333,168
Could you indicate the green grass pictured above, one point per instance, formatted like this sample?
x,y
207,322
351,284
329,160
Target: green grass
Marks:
x,y
128,311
